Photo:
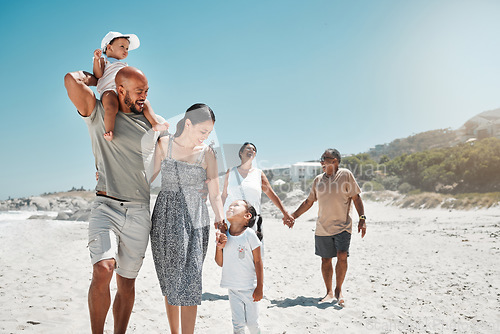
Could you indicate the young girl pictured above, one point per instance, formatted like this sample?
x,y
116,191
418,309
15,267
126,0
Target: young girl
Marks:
x,y
116,47
238,253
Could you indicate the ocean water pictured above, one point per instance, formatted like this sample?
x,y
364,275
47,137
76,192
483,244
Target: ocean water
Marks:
x,y
12,216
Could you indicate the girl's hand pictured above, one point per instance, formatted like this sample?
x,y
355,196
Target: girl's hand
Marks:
x,y
258,294
97,54
221,239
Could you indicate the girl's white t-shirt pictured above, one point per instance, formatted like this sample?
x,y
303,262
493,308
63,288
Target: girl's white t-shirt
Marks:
x,y
238,268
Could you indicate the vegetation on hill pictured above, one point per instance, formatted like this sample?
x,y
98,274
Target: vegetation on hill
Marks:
x,y
463,168
415,143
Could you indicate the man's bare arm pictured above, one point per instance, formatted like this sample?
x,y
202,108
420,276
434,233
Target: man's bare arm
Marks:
x,y
77,85
358,204
304,206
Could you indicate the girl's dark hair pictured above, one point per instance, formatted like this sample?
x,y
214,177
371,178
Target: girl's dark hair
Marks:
x,y
197,113
256,218
245,145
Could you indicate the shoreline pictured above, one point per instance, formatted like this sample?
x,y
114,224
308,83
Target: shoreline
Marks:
x,y
75,205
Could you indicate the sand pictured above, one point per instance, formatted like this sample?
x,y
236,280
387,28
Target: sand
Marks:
x,y
416,271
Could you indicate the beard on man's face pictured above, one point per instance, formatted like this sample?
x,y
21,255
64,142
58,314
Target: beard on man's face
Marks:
x,y
131,105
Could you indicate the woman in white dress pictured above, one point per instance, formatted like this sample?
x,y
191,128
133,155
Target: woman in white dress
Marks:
x,y
247,182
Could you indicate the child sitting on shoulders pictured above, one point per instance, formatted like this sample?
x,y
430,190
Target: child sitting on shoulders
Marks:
x,y
116,47
238,253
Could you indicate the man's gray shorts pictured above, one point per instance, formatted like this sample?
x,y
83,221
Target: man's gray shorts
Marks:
x,y
327,247
120,231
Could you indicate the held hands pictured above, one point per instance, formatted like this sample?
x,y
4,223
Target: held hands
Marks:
x,y
97,54
221,226
288,220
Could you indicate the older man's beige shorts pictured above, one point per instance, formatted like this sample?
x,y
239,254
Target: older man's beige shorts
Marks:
x,y
120,231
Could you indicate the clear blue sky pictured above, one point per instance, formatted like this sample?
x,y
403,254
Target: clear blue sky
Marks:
x,y
294,77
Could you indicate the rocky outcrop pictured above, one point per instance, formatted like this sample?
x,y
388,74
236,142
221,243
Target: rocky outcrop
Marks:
x,y
70,206
291,202
41,204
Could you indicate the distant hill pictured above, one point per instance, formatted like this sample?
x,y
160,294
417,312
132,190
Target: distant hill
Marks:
x,y
483,125
415,143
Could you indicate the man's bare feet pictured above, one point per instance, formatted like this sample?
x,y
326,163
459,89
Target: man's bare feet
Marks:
x,y
339,297
329,298
108,136
161,127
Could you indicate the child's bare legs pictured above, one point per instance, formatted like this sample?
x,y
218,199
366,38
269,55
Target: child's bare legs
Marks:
x,y
110,103
151,117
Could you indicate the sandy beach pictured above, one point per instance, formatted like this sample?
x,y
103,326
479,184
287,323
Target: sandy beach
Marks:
x,y
416,271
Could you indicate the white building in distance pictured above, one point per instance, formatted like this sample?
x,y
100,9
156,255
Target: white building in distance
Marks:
x,y
303,171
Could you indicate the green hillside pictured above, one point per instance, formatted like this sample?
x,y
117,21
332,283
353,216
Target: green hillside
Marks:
x,y
415,143
463,168
483,125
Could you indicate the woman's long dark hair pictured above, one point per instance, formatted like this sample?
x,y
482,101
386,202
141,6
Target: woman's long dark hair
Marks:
x,y
197,113
256,218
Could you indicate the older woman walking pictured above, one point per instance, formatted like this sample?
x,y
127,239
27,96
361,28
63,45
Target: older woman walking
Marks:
x,y
248,182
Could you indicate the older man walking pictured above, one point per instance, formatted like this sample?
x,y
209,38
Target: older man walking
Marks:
x,y
334,190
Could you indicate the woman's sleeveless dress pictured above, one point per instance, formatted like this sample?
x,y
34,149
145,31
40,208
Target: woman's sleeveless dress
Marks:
x,y
248,188
180,230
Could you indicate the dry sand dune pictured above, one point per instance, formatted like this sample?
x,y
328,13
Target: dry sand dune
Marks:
x,y
416,271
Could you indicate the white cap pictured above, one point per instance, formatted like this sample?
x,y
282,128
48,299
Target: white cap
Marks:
x,y
133,40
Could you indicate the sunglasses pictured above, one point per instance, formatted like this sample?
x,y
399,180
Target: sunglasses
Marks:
x,y
322,159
